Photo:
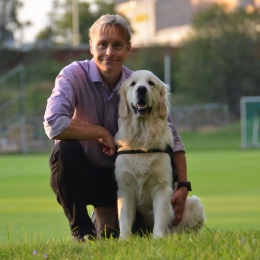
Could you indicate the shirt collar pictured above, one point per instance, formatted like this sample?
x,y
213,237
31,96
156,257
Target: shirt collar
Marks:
x,y
94,72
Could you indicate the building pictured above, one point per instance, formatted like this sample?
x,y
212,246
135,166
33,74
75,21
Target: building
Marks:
x,y
167,22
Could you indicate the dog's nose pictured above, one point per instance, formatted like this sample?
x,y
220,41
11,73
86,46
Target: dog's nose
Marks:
x,y
141,90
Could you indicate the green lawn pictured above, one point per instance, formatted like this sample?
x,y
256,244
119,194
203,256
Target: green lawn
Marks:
x,y
226,181
27,204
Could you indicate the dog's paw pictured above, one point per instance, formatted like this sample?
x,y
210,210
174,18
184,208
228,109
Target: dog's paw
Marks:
x,y
159,234
124,237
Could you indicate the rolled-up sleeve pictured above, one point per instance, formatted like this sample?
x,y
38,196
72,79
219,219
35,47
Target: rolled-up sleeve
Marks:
x,y
60,105
178,144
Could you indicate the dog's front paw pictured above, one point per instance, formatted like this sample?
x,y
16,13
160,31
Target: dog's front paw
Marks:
x,y
124,236
159,234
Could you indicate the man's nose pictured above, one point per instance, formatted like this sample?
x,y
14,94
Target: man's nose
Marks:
x,y
110,50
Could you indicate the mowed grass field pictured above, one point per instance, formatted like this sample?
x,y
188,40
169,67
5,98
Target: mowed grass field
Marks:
x,y
223,176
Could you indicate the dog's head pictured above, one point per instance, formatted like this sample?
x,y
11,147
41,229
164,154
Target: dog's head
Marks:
x,y
142,94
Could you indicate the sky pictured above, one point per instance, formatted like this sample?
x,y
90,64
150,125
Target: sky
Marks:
x,y
37,13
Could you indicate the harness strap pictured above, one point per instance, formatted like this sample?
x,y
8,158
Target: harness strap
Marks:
x,y
167,150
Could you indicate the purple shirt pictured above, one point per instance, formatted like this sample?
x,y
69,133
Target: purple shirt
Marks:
x,y
88,99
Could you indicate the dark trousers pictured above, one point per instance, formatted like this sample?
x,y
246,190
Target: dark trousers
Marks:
x,y
77,183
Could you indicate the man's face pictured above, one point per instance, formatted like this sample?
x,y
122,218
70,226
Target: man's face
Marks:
x,y
110,49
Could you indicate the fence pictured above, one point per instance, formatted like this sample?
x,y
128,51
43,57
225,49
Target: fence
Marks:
x,y
12,112
200,117
18,134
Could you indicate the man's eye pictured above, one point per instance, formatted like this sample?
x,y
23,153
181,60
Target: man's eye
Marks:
x,y
151,83
132,84
103,44
118,46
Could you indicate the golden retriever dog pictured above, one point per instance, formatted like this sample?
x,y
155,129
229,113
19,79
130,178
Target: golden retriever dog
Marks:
x,y
143,167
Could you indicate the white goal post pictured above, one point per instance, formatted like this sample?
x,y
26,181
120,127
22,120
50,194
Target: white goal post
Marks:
x,y
250,122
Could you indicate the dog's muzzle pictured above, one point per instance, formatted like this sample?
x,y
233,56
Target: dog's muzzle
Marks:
x,y
141,107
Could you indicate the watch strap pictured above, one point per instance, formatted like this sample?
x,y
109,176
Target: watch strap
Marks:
x,y
184,184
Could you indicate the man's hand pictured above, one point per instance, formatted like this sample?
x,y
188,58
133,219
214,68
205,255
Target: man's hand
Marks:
x,y
178,204
107,145
86,132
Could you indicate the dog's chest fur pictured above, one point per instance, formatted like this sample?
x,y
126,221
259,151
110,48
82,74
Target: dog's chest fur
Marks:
x,y
142,174
143,134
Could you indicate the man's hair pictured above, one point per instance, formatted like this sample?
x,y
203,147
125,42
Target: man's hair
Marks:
x,y
107,22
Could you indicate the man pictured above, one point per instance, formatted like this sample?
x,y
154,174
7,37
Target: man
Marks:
x,y
81,115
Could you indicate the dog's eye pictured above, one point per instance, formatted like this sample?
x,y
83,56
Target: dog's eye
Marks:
x,y
132,84
151,83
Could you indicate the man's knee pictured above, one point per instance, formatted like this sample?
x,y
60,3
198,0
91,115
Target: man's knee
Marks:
x,y
68,146
66,151
63,158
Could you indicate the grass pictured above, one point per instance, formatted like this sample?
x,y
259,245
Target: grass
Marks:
x,y
224,139
227,183
27,204
206,245
226,180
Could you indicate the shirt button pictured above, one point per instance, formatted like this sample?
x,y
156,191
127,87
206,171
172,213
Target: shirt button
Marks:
x,y
108,118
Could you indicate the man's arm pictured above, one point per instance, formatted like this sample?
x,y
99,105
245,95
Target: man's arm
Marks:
x,y
86,132
180,195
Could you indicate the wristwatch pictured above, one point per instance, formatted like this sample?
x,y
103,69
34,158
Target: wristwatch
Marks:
x,y
184,184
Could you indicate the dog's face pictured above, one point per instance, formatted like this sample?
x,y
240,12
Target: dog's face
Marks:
x,y
142,94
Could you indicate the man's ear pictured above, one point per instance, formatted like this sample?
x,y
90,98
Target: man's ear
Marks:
x,y
90,47
129,47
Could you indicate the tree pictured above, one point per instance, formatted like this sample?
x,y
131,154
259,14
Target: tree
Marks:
x,y
60,29
9,24
8,20
220,61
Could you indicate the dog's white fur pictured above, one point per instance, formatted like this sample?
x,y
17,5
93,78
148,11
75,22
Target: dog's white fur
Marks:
x,y
145,179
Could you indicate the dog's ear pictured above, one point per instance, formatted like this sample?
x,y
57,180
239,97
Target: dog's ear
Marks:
x,y
164,103
122,107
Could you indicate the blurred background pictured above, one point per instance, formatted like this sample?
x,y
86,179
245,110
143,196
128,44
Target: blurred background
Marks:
x,y
208,51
